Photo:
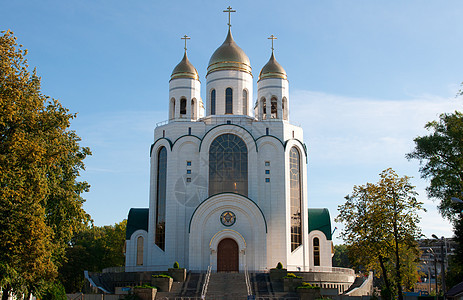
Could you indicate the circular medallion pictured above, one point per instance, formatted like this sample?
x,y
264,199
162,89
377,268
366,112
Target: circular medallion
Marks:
x,y
227,218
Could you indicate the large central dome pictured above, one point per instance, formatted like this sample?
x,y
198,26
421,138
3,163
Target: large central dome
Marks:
x,y
229,56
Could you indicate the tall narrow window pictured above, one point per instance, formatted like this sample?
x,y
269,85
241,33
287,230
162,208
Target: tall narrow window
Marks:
x,y
264,108
183,106
193,110
245,102
274,109
213,102
140,251
295,198
229,101
228,165
284,107
160,237
316,252
172,108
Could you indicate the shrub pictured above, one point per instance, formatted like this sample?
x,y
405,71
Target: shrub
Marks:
x,y
306,285
54,291
161,276
279,266
176,266
292,275
145,286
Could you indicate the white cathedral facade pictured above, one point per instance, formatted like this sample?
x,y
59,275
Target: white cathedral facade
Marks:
x,y
228,176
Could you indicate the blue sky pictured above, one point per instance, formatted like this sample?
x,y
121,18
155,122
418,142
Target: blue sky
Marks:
x,y
365,76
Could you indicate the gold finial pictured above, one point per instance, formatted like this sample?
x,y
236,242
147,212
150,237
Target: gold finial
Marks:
x,y
272,37
185,37
229,11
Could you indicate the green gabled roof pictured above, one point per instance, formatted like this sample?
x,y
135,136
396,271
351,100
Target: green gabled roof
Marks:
x,y
319,219
138,219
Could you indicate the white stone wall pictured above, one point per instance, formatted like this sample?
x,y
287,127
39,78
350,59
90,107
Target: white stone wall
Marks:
x,y
269,88
220,81
188,89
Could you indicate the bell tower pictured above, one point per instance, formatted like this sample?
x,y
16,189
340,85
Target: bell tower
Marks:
x,y
272,91
229,78
185,102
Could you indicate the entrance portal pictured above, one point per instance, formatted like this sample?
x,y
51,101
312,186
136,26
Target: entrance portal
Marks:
x,y
227,256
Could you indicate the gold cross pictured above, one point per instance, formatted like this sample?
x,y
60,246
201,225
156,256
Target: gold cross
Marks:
x,y
272,37
229,11
185,37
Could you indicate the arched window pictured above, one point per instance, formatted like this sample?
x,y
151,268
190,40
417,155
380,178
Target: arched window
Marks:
x,y
274,110
316,252
161,199
172,108
245,102
295,197
213,102
284,108
140,251
228,165
193,110
229,101
264,108
183,106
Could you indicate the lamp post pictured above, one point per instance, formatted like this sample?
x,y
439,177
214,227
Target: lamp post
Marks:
x,y
442,240
435,267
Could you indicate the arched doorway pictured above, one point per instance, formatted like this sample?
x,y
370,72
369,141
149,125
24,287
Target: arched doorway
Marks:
x,y
227,256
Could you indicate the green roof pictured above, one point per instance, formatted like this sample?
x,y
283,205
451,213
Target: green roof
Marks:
x,y
138,219
319,219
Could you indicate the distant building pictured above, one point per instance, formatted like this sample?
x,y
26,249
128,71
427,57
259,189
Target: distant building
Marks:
x,y
431,261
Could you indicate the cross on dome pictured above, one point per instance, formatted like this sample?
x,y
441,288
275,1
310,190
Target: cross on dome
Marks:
x,y
229,11
185,37
272,37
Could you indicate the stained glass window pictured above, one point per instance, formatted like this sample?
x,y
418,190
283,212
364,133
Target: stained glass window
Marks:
x,y
160,236
213,102
229,101
295,198
228,165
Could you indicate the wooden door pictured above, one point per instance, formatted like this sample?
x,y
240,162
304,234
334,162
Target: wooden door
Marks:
x,y
227,256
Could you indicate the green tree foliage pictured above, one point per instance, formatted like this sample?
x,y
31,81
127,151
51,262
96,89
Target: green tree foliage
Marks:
x,y
40,160
441,161
341,258
441,158
381,229
92,249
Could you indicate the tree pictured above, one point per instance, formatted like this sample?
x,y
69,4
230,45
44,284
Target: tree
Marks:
x,y
341,257
40,160
381,229
441,161
92,249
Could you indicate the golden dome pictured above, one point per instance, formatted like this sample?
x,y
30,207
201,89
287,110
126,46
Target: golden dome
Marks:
x,y
272,70
184,70
229,56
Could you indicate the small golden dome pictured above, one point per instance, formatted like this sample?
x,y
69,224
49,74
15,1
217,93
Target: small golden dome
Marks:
x,y
184,70
272,70
229,56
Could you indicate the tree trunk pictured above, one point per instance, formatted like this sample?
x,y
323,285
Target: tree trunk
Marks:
x,y
383,269
6,292
397,262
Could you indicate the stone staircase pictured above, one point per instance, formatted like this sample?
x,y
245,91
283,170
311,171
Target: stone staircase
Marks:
x,y
227,286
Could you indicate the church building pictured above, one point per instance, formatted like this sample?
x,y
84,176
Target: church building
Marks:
x,y
228,176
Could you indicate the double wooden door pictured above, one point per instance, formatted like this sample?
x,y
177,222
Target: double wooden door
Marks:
x,y
227,256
